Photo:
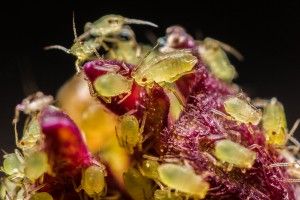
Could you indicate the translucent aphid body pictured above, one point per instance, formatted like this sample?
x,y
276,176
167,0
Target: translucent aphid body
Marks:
x,y
166,195
274,123
36,165
242,111
112,84
129,133
138,186
41,196
183,178
31,135
108,25
217,60
93,181
11,164
149,169
165,68
234,153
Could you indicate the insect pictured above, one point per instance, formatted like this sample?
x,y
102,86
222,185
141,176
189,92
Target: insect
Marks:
x,y
183,179
274,123
242,111
109,25
129,132
211,51
93,181
165,68
22,171
234,154
30,106
138,186
149,169
112,84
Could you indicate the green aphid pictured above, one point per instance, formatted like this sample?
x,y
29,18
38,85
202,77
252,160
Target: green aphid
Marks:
x,y
182,178
129,133
138,186
149,169
36,165
166,195
109,25
12,164
234,153
242,111
112,84
164,68
93,181
215,57
41,196
274,123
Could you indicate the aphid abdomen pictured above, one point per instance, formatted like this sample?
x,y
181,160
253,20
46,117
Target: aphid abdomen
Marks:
x,y
63,141
165,68
242,111
36,164
92,180
234,153
274,123
183,179
128,132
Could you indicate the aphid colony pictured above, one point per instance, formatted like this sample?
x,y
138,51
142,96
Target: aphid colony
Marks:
x,y
143,87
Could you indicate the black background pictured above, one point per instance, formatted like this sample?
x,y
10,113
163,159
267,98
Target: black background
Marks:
x,y
267,33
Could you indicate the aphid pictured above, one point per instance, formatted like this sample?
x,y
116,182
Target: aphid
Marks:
x,y
166,195
234,153
112,84
183,178
12,164
30,106
129,133
211,51
41,196
36,165
149,168
138,186
93,181
109,25
242,111
165,68
274,123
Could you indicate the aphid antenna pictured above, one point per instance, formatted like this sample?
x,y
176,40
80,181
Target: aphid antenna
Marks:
x,y
230,49
59,47
140,22
294,128
144,57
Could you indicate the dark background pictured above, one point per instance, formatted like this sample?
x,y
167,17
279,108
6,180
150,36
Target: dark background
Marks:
x,y
268,35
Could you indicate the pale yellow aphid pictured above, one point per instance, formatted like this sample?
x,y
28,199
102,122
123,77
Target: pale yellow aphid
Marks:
x,y
214,56
112,84
234,153
129,133
149,168
31,106
93,181
137,186
41,196
12,164
242,111
183,179
166,195
274,123
109,25
164,68
36,165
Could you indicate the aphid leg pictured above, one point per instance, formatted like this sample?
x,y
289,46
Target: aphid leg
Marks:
x,y
217,112
76,188
294,128
15,122
124,98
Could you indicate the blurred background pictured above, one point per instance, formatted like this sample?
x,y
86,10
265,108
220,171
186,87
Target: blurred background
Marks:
x,y
267,34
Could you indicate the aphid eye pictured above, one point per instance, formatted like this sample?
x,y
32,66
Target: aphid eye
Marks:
x,y
144,79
